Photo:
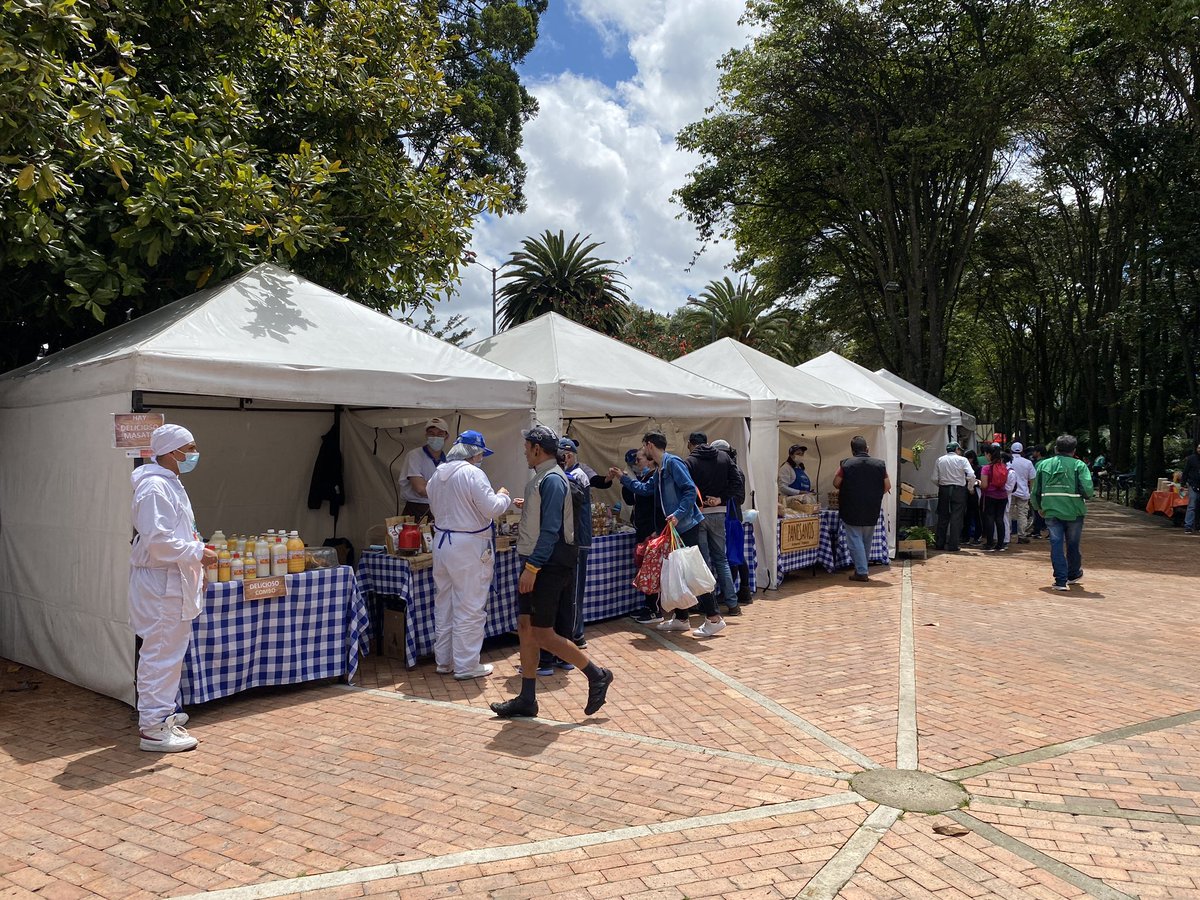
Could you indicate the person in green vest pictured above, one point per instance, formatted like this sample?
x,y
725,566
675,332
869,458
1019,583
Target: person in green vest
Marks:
x,y
1061,489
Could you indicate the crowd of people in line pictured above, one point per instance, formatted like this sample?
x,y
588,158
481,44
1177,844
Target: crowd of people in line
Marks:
x,y
1005,494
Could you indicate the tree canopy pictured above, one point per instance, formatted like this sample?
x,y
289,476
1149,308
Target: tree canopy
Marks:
x,y
149,148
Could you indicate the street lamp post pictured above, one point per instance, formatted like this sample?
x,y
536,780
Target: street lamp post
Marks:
x,y
470,257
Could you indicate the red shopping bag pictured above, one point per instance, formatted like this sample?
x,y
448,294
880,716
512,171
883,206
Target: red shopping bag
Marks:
x,y
654,555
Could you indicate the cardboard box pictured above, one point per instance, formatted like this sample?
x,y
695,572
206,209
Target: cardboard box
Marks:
x,y
394,629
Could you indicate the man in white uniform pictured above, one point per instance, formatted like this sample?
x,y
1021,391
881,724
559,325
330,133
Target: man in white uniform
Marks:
x,y
464,507
419,466
166,585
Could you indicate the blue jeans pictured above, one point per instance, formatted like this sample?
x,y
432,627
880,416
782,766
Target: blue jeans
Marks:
x,y
1064,548
712,548
1189,520
858,542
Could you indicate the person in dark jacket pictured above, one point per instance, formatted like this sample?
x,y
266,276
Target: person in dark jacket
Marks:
x,y
1191,480
742,569
861,482
717,479
648,520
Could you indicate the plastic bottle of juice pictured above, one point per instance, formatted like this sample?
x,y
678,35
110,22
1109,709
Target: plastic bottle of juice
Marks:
x,y
241,545
262,558
248,560
237,568
223,561
279,560
295,553
210,567
218,539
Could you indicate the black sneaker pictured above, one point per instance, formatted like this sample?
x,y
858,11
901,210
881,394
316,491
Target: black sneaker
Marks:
x,y
516,708
581,644
646,617
734,611
597,692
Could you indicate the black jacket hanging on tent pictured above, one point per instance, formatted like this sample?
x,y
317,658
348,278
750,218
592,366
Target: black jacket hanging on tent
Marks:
x,y
327,479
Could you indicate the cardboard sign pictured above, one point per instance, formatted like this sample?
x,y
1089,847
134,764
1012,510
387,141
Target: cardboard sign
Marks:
x,y
131,431
265,588
799,534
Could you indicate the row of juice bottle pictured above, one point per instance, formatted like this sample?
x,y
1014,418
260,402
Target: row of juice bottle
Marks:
x,y
241,558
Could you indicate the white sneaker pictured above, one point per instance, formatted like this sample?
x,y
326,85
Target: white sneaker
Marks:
x,y
673,624
710,628
446,670
481,671
167,738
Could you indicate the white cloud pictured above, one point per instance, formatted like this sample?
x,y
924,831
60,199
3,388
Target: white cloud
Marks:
x,y
603,160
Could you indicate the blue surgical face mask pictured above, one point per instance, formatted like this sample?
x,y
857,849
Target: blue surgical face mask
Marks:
x,y
435,443
189,462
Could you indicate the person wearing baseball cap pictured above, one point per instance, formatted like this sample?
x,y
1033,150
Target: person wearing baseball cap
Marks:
x,y
1020,513
546,544
464,506
419,466
166,585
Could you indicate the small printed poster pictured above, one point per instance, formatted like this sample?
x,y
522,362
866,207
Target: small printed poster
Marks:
x,y
265,588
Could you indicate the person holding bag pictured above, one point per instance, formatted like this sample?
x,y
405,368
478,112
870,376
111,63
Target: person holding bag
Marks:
x,y
673,489
648,521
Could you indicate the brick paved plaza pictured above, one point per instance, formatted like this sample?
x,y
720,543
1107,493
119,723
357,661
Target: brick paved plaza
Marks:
x,y
719,768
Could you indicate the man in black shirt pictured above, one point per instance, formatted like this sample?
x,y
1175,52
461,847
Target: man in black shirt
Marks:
x,y
861,482
717,479
1191,480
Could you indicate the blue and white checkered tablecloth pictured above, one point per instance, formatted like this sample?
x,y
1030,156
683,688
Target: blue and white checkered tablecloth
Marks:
x,y
317,631
831,552
384,574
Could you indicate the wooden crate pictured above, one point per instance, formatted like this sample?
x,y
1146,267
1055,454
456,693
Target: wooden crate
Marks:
x,y
913,548
799,534
907,492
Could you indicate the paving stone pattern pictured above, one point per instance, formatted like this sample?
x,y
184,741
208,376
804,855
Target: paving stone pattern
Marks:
x,y
719,768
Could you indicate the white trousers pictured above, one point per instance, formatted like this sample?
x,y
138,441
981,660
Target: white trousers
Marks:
x,y
165,635
463,577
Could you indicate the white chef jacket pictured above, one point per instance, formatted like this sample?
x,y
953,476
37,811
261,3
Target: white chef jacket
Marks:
x,y
167,542
461,498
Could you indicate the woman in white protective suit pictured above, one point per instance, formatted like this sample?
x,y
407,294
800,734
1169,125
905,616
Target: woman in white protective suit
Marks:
x,y
464,506
166,585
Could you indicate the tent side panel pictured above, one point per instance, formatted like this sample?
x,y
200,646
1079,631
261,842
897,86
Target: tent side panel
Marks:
x,y
64,543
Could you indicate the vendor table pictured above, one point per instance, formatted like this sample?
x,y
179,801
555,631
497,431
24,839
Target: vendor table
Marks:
x,y
317,631
831,551
1166,502
609,591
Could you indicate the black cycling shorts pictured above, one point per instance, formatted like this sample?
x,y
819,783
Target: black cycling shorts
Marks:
x,y
554,585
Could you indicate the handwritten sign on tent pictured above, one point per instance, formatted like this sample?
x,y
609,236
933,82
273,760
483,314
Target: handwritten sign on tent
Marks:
x,y
131,431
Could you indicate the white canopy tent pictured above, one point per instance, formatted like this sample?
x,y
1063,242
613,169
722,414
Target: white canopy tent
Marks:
x,y
962,424
909,417
258,368
786,406
607,395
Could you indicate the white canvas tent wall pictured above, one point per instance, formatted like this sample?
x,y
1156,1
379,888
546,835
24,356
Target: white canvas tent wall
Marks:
x,y
607,394
786,405
267,336
962,424
910,417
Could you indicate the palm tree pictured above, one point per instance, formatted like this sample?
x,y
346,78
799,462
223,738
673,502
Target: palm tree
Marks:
x,y
551,274
743,312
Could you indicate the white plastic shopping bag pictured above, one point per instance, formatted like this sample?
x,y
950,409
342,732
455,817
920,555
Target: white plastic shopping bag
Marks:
x,y
673,590
694,569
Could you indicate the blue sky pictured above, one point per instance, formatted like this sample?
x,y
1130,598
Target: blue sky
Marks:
x,y
569,43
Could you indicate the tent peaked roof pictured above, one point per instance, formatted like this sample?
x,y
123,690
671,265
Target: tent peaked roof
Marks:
x,y
911,407
583,372
272,335
795,395
964,417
